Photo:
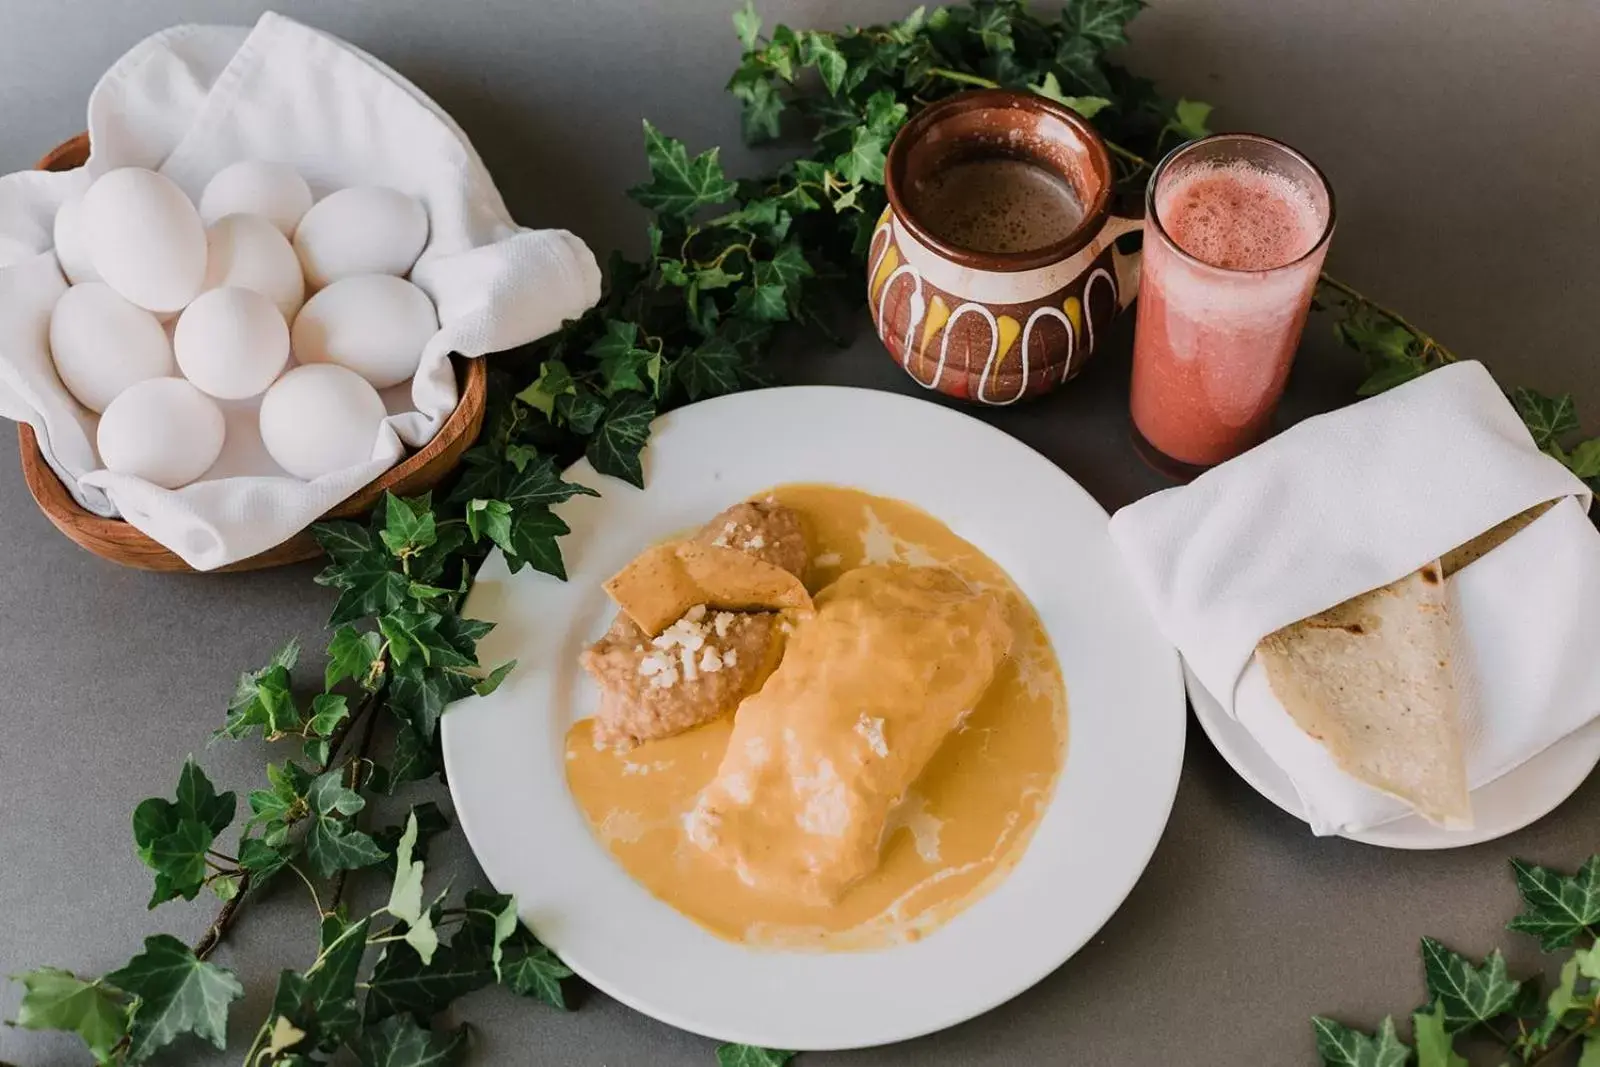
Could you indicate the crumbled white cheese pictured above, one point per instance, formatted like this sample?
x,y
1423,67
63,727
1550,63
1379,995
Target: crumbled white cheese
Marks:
x,y
686,659
685,633
696,613
961,721
828,559
710,661
722,538
871,729
654,664
785,626
721,622
730,658
755,749
666,679
755,544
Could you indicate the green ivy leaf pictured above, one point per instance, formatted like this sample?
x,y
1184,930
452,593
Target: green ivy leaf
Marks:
x,y
1562,999
413,757
1102,23
327,712
262,701
430,823
863,161
369,585
177,994
1557,909
540,483
405,895
351,655
402,983
614,448
1590,1057
1584,459
582,411
678,186
54,999
1340,1046
751,1056
818,50
1389,375
1087,106
1435,1047
1189,120
410,633
172,836
491,681
554,381
420,694
1548,418
533,540
536,972
321,1003
332,844
491,518
710,369
761,114
399,1042
747,25
992,26
623,363
1466,994
407,526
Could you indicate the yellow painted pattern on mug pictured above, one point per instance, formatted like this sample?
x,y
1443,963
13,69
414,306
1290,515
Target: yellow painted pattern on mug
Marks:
x,y
938,315
1074,309
883,218
1008,330
886,266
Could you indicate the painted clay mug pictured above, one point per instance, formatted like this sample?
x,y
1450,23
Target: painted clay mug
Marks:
x,y
996,327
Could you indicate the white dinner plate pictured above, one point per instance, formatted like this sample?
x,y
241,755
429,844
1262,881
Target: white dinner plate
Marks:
x,y
1507,804
505,757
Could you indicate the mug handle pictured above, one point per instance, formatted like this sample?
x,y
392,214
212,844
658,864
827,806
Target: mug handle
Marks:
x,y
1126,264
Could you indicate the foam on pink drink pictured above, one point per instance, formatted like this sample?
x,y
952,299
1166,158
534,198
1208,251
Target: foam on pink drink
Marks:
x,y
1238,217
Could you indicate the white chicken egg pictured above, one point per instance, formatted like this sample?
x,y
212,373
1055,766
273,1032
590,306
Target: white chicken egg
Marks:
x,y
71,252
102,344
163,430
145,238
366,229
249,252
319,419
231,342
274,191
374,324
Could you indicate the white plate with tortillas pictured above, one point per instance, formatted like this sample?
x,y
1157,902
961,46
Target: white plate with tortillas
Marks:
x,y
1503,806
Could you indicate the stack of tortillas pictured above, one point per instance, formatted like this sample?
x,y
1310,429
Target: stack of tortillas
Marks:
x,y
1393,600
1371,680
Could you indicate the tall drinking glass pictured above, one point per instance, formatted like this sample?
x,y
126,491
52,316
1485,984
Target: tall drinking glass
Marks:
x,y
1236,228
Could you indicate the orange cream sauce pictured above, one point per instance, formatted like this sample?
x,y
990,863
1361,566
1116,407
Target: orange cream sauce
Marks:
x,y
963,824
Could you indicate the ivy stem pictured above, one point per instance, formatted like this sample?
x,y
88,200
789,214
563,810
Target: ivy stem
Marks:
x,y
1430,347
309,888
963,78
355,782
219,926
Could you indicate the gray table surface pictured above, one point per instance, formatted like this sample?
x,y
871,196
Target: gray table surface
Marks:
x,y
1461,139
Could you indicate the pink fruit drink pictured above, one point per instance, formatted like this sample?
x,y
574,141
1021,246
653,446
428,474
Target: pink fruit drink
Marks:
x,y
1232,252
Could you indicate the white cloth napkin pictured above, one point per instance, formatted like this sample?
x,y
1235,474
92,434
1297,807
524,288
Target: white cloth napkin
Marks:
x,y
189,101
1353,500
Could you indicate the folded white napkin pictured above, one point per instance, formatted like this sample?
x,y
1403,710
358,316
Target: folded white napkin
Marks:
x,y
1351,501
188,102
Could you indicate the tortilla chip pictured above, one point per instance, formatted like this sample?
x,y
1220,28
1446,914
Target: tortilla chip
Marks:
x,y
665,581
1370,680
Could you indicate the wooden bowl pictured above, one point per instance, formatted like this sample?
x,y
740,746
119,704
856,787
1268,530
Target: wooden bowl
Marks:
x,y
120,542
